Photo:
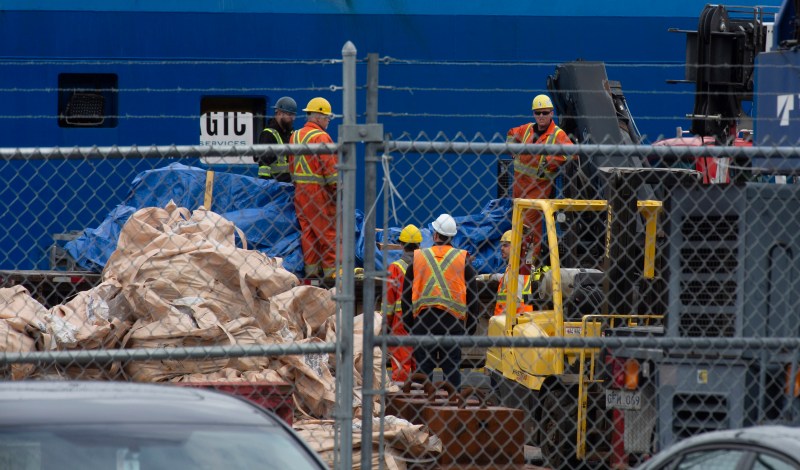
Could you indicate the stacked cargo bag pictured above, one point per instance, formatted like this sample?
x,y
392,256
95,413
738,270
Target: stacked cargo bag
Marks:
x,y
21,319
190,285
96,319
476,434
13,341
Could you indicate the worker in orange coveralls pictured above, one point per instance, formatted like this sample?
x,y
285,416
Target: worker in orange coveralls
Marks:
x,y
315,178
403,364
534,174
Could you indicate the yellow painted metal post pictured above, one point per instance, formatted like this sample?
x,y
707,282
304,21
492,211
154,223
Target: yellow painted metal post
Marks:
x,y
513,265
650,213
548,210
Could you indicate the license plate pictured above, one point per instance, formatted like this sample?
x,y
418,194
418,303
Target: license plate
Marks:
x,y
623,400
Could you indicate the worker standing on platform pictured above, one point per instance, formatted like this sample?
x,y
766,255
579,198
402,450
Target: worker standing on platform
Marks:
x,y
403,364
315,178
440,298
534,174
278,131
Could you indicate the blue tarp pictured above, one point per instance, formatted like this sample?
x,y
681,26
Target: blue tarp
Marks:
x,y
264,211
479,234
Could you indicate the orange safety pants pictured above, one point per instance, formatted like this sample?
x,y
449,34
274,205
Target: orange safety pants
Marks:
x,y
403,364
315,207
526,187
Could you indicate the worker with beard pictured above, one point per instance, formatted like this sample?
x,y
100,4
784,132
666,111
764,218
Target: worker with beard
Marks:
x,y
278,131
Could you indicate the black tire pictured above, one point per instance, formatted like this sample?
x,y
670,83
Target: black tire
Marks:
x,y
558,427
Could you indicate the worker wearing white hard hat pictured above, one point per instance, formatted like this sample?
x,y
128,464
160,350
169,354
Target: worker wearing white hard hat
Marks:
x,y
440,298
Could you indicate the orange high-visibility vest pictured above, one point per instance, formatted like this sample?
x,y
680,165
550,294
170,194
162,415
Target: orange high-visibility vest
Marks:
x,y
304,171
439,280
398,305
536,166
502,295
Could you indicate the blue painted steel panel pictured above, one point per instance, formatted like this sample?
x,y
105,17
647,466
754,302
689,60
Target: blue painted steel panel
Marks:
x,y
778,105
385,7
167,55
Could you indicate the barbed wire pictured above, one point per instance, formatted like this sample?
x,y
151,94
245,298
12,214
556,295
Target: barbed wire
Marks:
x,y
578,63
388,60
528,117
388,114
690,92
187,61
394,88
331,88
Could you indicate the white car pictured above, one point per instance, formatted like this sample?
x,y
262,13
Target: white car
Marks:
x,y
768,447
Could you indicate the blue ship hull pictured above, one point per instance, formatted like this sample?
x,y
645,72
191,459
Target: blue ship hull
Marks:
x,y
456,67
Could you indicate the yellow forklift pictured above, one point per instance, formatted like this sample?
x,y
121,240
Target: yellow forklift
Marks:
x,y
562,389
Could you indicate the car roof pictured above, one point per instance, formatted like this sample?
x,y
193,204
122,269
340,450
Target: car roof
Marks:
x,y
85,402
779,438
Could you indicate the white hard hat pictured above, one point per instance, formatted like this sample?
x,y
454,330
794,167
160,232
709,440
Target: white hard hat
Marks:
x,y
445,225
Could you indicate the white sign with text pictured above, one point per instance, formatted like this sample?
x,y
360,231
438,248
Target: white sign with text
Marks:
x,y
227,128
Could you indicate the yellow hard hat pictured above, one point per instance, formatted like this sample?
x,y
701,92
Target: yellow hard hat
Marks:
x,y
410,234
542,102
318,105
506,238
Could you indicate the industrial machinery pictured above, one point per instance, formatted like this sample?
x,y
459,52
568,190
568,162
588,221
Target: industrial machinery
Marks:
x,y
727,246
563,389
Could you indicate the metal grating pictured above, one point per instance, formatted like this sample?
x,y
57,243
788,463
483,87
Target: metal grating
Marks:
x,y
707,325
704,260
711,228
708,293
85,109
695,414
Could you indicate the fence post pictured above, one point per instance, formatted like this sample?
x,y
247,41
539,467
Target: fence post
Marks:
x,y
370,178
345,282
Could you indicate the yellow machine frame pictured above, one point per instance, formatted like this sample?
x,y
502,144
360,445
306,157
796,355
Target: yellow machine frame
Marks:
x,y
590,325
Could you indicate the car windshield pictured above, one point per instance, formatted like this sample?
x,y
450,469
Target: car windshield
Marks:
x,y
150,447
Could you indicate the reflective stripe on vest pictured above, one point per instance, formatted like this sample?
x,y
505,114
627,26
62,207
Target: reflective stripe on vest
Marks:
x,y
539,273
398,304
540,170
301,171
280,165
502,295
440,284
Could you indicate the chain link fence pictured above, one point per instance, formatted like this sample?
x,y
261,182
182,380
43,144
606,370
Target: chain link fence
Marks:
x,y
651,303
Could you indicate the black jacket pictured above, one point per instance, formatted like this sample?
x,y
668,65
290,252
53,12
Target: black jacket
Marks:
x,y
266,137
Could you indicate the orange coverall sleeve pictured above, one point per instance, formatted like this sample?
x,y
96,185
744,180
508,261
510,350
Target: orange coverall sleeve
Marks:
x,y
395,283
329,161
516,134
555,161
